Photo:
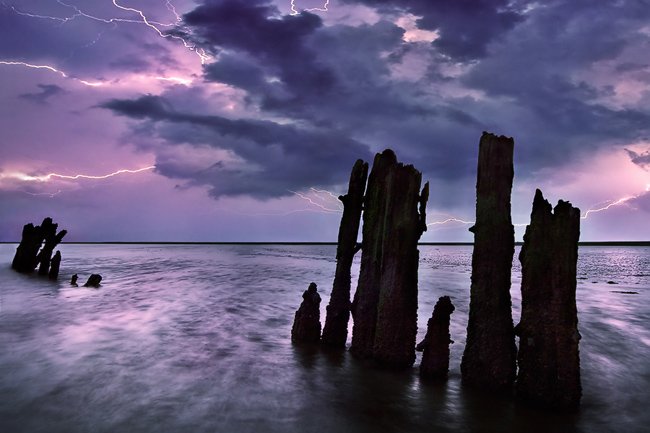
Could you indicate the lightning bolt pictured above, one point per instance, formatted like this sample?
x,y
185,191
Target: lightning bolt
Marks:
x,y
449,220
47,194
172,9
53,69
618,202
144,20
50,176
79,13
308,199
328,195
200,52
178,80
295,11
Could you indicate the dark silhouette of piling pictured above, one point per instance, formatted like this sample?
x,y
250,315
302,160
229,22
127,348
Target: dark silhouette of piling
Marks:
x,y
52,239
549,360
335,332
435,346
93,281
306,324
29,253
489,359
54,266
385,303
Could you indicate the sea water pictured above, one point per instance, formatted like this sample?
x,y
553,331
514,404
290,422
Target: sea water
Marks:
x,y
196,338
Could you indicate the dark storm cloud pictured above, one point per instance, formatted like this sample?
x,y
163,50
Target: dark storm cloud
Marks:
x,y
528,78
47,91
256,29
277,158
295,66
537,68
465,27
640,159
361,95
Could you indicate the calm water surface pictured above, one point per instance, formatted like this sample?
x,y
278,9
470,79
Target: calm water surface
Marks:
x,y
197,339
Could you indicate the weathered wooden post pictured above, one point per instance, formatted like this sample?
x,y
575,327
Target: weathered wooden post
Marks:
x,y
306,323
549,360
489,359
52,239
435,346
335,332
54,266
385,303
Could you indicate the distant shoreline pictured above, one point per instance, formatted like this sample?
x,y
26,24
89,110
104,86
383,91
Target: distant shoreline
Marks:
x,y
582,244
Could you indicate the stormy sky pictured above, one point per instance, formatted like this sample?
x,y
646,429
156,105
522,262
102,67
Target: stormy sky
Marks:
x,y
239,120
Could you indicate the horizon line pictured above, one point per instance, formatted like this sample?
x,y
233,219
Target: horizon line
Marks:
x,y
452,243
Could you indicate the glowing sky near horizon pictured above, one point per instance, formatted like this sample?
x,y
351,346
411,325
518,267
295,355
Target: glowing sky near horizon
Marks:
x,y
233,120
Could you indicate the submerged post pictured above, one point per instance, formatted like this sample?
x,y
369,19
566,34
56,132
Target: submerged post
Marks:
x,y
435,346
306,324
335,332
489,359
52,239
385,303
54,266
549,359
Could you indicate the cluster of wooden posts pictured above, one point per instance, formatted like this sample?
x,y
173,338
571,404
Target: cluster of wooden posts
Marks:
x,y
36,246
544,369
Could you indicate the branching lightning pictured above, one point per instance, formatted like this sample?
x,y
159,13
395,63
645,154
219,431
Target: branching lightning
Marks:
x,y
171,8
449,220
200,52
328,196
295,11
144,20
321,207
610,205
50,176
79,13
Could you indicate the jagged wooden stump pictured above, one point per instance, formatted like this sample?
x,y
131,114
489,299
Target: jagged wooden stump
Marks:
x,y
549,359
435,346
306,324
385,303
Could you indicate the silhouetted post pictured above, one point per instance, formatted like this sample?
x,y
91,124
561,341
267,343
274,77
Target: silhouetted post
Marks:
x,y
385,303
25,260
549,360
27,256
93,281
306,324
435,347
52,239
335,332
54,266
489,359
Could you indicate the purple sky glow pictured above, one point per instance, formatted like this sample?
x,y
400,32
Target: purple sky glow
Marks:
x,y
239,120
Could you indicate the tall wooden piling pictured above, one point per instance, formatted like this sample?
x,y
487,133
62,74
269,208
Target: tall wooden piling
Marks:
x,y
489,359
335,332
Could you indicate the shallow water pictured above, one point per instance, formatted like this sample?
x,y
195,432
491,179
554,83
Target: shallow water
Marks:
x,y
187,338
